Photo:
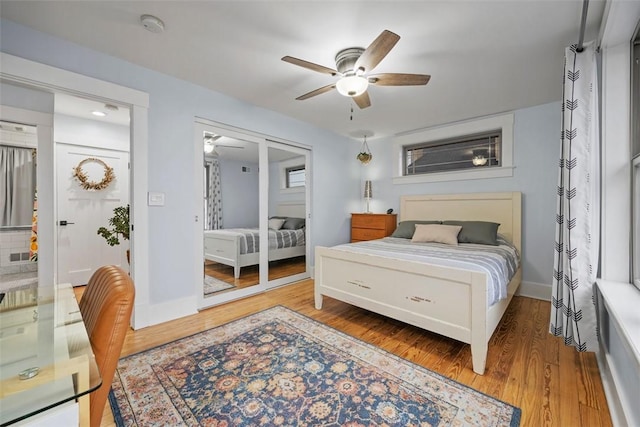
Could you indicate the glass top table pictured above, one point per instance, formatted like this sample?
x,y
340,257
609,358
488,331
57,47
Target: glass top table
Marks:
x,y
45,354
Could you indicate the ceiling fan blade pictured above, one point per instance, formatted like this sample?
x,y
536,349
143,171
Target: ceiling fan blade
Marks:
x,y
318,91
376,51
228,146
309,65
363,100
395,79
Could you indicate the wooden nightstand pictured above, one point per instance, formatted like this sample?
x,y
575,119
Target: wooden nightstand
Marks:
x,y
372,226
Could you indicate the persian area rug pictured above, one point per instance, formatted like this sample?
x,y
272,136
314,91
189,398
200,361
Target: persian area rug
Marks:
x,y
212,285
280,368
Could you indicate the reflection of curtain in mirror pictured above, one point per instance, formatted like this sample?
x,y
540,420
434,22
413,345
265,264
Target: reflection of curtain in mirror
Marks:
x,y
33,242
214,195
17,185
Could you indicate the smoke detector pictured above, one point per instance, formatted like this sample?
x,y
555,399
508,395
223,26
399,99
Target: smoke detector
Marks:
x,y
151,23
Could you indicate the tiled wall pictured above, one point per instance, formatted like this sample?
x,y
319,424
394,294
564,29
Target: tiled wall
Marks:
x,y
14,245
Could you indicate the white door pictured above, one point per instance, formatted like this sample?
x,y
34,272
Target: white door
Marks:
x,y
80,249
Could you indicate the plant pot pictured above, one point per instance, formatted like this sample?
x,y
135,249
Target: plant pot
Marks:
x,y
364,157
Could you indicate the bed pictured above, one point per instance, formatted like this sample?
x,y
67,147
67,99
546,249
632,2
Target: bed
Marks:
x,y
240,247
453,302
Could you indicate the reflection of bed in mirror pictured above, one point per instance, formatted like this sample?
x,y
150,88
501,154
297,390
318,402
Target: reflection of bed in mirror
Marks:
x,y
239,247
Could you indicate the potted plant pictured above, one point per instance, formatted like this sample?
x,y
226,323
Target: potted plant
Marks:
x,y
364,157
119,227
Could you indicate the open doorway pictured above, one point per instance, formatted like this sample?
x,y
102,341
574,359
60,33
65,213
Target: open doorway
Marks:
x,y
43,82
92,186
18,205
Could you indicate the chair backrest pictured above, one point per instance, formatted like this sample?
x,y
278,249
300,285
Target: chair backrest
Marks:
x,y
106,307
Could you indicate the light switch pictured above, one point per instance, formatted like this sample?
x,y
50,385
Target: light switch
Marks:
x,y
155,198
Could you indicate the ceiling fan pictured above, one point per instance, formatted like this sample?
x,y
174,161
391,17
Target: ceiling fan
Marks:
x,y
210,143
354,64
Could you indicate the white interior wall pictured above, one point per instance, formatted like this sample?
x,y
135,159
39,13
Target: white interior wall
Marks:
x,y
90,133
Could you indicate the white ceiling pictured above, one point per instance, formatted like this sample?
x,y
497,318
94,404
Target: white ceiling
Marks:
x,y
484,57
80,107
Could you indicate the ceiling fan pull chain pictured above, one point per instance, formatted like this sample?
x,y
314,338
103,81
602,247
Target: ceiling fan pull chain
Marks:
x,y
351,118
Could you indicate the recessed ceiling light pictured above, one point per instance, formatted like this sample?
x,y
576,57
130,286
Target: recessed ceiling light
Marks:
x,y
99,113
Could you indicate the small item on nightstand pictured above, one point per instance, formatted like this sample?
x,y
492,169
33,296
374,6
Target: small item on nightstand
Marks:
x,y
390,211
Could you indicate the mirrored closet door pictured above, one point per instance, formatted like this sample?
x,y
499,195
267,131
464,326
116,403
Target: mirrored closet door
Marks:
x,y
287,213
254,197
230,220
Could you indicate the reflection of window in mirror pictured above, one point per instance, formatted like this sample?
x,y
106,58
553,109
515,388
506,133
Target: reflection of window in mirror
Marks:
x,y
292,174
17,174
295,176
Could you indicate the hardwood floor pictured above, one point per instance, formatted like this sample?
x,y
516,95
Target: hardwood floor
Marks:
x,y
526,366
250,275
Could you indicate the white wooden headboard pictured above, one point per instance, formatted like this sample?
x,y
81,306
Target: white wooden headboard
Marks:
x,y
292,209
502,208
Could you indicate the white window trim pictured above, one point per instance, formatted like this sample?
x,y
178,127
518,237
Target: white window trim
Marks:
x,y
504,122
283,166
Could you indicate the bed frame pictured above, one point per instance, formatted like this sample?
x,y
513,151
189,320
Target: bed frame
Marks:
x,y
225,249
451,302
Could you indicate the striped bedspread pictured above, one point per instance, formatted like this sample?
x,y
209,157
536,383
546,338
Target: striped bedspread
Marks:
x,y
500,263
278,239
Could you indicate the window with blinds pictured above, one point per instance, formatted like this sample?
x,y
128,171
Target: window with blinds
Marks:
x,y
479,151
295,176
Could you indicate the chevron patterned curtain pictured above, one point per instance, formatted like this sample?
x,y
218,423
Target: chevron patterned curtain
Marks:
x,y
214,196
578,204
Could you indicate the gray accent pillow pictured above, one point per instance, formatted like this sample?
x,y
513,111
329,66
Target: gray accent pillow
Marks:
x,y
406,229
483,232
293,224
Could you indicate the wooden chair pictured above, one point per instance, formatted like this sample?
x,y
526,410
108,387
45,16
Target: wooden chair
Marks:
x,y
106,307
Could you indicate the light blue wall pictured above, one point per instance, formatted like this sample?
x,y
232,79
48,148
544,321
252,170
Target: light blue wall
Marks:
x,y
240,194
336,179
536,150
173,106
28,99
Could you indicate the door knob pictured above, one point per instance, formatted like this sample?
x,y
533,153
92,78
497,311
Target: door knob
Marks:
x,y
66,223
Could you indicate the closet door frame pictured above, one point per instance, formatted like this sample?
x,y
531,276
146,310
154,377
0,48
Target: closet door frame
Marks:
x,y
263,141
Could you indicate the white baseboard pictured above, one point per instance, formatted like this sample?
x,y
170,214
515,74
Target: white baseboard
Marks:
x,y
148,315
535,290
618,418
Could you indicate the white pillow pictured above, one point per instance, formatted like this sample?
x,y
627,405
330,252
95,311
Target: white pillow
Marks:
x,y
276,223
436,233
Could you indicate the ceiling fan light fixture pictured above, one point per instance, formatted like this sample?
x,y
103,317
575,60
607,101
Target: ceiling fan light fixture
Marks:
x,y
479,160
352,85
208,148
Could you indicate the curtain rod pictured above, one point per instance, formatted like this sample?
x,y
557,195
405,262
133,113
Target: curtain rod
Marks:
x,y
583,25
